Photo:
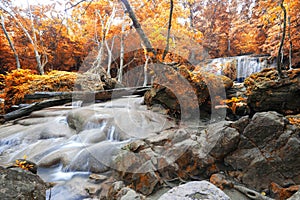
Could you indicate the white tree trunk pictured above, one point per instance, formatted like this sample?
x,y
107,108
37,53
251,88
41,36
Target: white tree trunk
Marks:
x,y
120,74
109,50
10,42
146,70
105,29
34,43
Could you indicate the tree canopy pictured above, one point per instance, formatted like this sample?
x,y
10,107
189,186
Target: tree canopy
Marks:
x,y
58,39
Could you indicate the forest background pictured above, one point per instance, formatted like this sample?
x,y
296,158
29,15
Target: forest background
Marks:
x,y
94,33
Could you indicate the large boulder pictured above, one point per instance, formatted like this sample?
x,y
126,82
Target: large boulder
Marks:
x,y
195,190
268,151
266,91
21,185
174,153
183,93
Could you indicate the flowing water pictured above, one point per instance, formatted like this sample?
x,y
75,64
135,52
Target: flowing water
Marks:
x,y
240,66
71,142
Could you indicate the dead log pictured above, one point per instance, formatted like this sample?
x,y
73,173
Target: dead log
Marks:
x,y
34,107
60,98
89,96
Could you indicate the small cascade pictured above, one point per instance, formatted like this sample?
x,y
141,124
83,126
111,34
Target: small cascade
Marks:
x,y
247,65
68,145
7,143
238,68
58,173
76,104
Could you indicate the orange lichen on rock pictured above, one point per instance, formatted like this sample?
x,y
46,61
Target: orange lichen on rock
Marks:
x,y
220,181
283,193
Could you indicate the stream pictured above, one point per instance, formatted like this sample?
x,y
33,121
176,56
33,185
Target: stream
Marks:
x,y
71,142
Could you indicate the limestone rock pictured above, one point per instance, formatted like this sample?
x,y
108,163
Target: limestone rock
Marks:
x,y
266,91
267,152
183,92
296,196
129,194
195,190
219,139
21,185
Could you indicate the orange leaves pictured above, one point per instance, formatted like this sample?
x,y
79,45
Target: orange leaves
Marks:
x,y
294,119
18,83
234,103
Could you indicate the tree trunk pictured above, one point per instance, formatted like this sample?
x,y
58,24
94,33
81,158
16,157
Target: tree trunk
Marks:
x,y
10,42
109,50
291,44
147,57
105,29
120,72
138,27
34,43
169,29
280,53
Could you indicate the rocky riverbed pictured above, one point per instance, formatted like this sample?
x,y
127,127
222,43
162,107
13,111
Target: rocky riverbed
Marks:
x,y
121,150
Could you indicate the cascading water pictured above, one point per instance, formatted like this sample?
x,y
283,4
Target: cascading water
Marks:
x,y
248,65
69,144
240,66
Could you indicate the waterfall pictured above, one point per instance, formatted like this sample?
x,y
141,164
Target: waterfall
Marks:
x,y
111,136
76,104
247,65
241,66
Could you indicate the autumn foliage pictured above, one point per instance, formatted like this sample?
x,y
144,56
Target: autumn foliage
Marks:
x,y
200,29
18,83
75,38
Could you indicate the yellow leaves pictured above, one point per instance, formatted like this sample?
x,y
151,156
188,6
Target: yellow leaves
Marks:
x,y
234,103
26,165
294,119
18,83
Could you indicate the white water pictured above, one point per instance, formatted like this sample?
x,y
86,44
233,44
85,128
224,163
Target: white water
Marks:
x,y
67,156
244,65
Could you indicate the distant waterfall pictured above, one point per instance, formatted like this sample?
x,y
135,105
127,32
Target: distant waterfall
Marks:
x,y
240,66
248,65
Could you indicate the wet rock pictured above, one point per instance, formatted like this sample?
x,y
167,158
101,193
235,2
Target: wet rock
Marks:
x,y
259,132
78,119
96,178
64,157
183,93
21,185
266,91
140,124
267,152
119,191
96,158
230,69
173,154
241,124
195,190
